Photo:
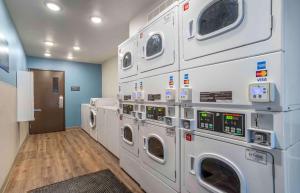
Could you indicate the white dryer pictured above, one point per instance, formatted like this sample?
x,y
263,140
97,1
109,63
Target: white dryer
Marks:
x,y
159,134
158,45
214,31
239,151
127,58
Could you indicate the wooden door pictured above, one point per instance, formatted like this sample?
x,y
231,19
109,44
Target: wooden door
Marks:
x,y
49,102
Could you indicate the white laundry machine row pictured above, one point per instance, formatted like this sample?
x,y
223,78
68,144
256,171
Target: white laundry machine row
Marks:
x,y
214,31
240,151
158,44
159,134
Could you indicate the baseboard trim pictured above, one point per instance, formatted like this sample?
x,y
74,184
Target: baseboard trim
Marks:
x,y
4,186
73,127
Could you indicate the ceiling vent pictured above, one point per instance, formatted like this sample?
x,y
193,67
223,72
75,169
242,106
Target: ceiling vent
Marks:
x,y
159,9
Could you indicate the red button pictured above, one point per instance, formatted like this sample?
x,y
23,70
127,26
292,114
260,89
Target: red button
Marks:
x,y
186,6
188,137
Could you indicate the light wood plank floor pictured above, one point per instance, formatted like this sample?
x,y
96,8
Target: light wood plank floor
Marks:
x,y
48,158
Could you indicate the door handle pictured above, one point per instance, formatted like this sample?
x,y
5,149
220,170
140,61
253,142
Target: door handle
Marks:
x,y
37,110
61,102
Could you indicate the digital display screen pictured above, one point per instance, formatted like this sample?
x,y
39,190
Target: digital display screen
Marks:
x,y
257,91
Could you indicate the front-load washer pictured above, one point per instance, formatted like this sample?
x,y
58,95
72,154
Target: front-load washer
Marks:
x,y
213,31
159,134
129,151
239,151
85,113
158,45
127,58
129,129
93,118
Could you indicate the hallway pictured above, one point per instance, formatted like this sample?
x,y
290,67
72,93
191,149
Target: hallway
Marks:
x,y
49,158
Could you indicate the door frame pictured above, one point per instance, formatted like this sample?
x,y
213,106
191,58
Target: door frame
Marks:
x,y
64,93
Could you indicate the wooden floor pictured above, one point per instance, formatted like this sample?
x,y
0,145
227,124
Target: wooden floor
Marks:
x,y
49,158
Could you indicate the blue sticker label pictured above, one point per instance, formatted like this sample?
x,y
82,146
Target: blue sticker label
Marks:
x,y
171,78
186,76
261,65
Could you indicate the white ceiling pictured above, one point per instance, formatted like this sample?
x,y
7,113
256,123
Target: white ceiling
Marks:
x,y
36,24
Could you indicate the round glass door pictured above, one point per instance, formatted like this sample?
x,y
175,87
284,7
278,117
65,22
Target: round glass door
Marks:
x,y
219,16
127,60
92,119
156,149
219,175
154,46
128,135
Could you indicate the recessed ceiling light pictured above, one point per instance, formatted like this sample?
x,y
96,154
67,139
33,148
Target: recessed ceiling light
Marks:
x,y
70,57
95,19
76,48
47,54
53,6
48,43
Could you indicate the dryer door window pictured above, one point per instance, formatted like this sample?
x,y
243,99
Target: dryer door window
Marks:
x,y
127,61
219,175
154,46
218,17
128,135
156,149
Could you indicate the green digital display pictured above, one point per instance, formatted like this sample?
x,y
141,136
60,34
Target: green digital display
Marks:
x,y
203,114
229,117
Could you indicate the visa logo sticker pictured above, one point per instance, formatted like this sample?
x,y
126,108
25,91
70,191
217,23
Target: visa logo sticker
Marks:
x,y
262,65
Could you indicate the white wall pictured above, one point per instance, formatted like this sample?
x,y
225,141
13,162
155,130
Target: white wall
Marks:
x,y
141,19
110,77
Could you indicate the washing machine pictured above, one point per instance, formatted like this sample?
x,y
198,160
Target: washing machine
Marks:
x,y
129,129
238,151
214,31
159,134
127,58
158,45
93,118
85,112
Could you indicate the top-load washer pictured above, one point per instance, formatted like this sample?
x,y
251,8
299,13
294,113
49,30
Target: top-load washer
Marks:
x,y
158,44
127,58
213,31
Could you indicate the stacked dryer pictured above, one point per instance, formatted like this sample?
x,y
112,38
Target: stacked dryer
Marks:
x,y
150,151
239,74
128,71
158,103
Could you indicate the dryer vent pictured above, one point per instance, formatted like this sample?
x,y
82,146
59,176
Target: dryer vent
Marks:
x,y
159,9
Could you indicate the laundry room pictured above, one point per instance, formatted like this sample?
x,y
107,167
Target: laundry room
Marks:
x,y
149,96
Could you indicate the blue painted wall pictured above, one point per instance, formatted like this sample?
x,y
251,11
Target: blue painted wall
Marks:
x,y
17,58
87,76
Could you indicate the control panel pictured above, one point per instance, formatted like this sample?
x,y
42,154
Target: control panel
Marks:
x,y
127,97
185,94
227,123
154,97
155,113
127,109
170,94
262,92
